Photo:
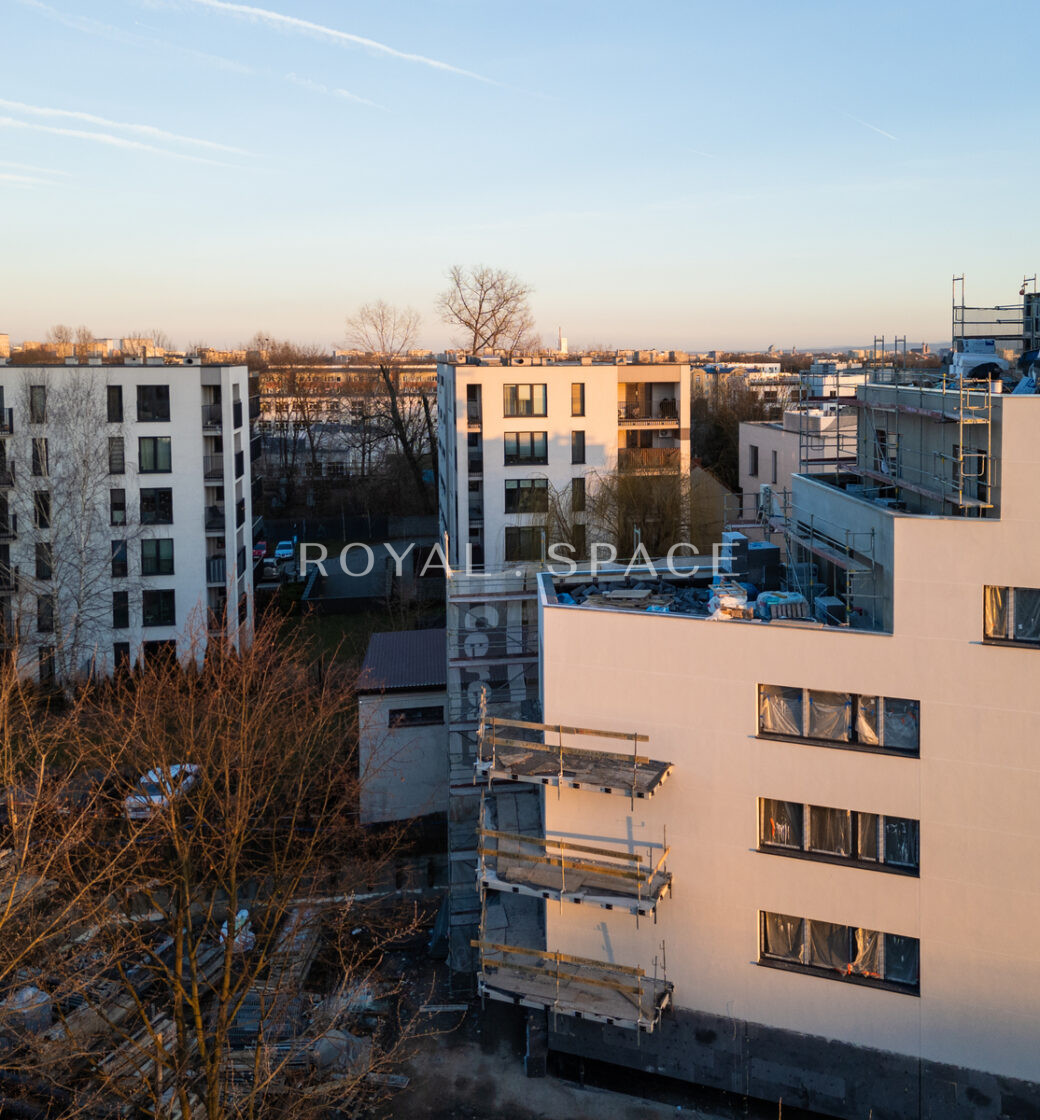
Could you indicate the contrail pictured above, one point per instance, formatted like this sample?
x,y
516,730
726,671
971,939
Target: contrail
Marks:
x,y
872,127
278,20
105,138
140,129
24,180
318,87
32,167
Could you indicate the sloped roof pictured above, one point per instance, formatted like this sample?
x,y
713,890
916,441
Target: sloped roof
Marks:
x,y
405,659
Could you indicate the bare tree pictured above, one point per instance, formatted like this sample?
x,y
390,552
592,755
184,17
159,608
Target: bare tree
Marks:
x,y
138,344
489,307
387,333
221,953
62,337
84,341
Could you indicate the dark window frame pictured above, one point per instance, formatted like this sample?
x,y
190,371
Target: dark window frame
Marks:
x,y
41,467
114,403
526,542
522,448
158,607
153,560
155,445
42,509
117,506
1008,611
577,398
513,405
153,404
415,717
120,610
37,404
520,495
155,501
120,559
578,447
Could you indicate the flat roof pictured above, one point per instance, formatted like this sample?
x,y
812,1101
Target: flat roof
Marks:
x,y
405,659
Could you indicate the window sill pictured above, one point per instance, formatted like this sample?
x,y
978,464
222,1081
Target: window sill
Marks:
x,y
1018,643
841,977
840,861
836,744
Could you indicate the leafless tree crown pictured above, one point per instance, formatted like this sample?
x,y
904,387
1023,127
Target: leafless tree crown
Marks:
x,y
490,309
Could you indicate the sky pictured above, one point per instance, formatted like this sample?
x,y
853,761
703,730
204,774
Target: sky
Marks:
x,y
668,174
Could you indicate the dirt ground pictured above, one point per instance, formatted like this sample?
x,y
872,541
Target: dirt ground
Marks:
x,y
458,1080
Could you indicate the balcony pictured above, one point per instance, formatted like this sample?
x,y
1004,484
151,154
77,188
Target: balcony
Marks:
x,y
240,464
254,407
212,417
6,476
216,570
473,414
6,421
633,415
215,519
476,464
213,466
648,458
236,414
9,527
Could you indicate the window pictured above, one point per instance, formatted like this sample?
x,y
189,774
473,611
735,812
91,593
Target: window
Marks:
x,y
157,608
883,723
157,506
119,564
523,543
527,495
524,400
1011,614
45,662
153,403
157,557
867,840
773,468
473,404
40,466
45,614
577,398
37,404
864,956
752,466
578,540
415,717
121,655
44,560
115,404
116,455
153,455
117,507
577,447
42,509
120,611
578,495
526,447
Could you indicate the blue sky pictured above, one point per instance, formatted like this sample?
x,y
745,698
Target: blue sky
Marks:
x,y
664,174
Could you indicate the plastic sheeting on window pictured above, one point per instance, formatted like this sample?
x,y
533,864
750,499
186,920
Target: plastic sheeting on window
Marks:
x,y
902,959
830,715
780,709
901,842
995,612
781,823
1027,614
902,721
829,945
866,960
867,836
829,831
782,936
867,720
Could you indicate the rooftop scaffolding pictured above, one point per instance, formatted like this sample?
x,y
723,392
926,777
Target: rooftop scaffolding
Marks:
x,y
535,761
549,867
565,985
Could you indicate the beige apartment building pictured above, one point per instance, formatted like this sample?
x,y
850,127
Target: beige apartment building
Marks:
x,y
800,860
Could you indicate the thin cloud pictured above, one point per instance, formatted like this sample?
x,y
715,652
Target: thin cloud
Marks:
x,y
24,180
306,26
872,127
139,129
107,138
317,87
32,167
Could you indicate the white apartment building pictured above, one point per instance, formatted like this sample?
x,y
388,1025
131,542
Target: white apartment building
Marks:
x,y
515,436
803,865
126,512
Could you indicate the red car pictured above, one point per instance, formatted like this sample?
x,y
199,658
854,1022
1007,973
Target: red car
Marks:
x,y
259,550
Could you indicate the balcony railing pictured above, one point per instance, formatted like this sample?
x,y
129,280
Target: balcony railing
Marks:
x,y
254,407
216,569
256,448
213,466
473,414
648,458
637,413
216,520
476,464
236,413
212,416
240,512
6,421
240,464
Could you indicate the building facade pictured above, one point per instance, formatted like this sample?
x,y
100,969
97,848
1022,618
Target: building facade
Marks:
x,y
126,512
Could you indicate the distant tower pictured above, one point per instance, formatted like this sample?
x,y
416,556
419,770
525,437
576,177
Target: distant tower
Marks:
x,y
561,342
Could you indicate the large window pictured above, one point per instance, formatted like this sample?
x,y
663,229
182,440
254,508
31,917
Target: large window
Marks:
x,y
577,398
116,455
868,840
524,543
117,507
158,609
45,614
752,466
40,460
157,506
526,447
42,509
120,568
840,952
153,455
115,404
37,404
120,610
524,400
883,723
153,402
415,717
578,495
577,447
44,560
157,557
527,495
1012,614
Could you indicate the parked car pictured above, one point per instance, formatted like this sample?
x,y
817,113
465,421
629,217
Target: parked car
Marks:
x,y
259,550
284,550
269,571
157,789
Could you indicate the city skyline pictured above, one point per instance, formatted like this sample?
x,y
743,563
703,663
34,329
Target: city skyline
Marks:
x,y
699,178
